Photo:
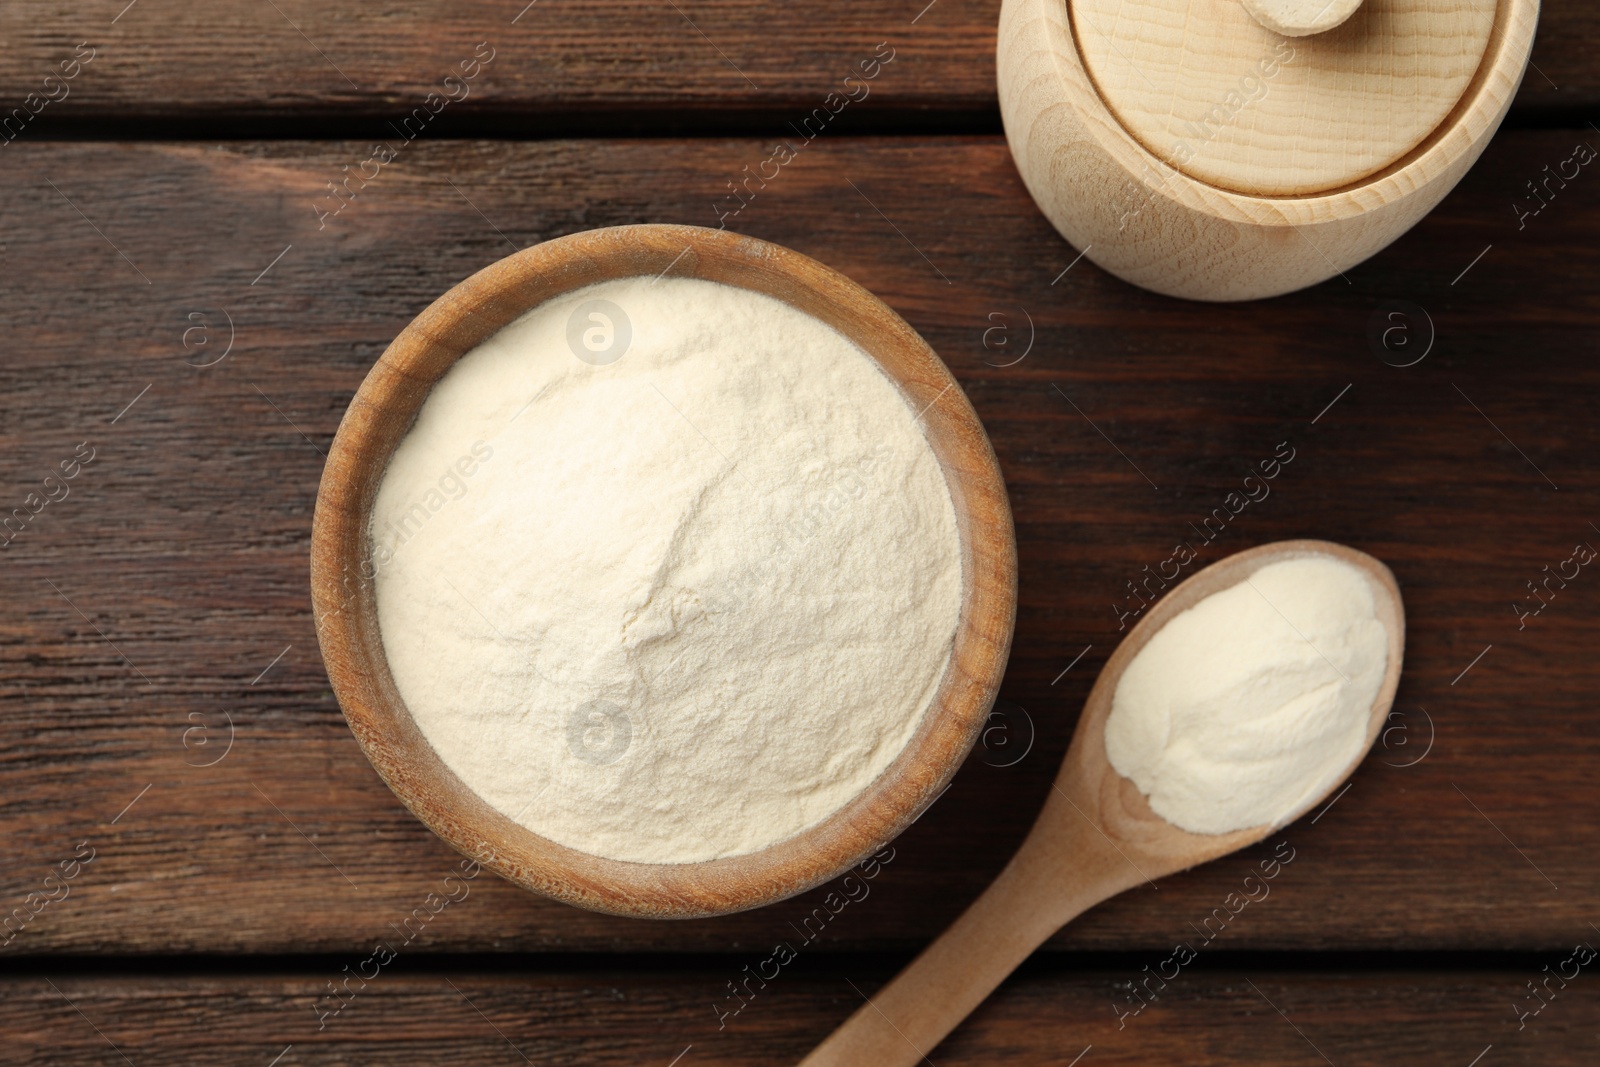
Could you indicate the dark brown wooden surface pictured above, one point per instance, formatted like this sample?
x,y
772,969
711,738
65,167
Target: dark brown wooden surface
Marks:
x,y
559,63
1436,1017
165,594
154,597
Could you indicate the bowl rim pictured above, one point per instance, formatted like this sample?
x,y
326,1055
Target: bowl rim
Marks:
x,y
342,573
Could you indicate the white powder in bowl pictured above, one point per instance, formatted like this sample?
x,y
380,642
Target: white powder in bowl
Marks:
x,y
1254,701
667,571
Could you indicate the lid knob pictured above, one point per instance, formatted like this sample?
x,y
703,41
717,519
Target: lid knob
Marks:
x,y
1300,18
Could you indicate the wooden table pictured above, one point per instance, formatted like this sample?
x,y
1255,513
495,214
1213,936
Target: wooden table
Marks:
x,y
185,320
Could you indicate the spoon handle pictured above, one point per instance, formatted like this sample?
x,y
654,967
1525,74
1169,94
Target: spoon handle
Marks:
x,y
1035,895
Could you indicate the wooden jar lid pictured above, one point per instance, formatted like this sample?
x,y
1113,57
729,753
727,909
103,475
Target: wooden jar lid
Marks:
x,y
1203,86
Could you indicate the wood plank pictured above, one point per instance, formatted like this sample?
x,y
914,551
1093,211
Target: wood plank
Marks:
x,y
602,1016
170,586
557,66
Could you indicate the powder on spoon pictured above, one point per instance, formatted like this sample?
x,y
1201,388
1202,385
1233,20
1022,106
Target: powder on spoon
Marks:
x,y
667,570
1254,700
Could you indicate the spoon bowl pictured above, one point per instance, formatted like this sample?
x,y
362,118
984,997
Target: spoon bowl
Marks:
x,y
1096,837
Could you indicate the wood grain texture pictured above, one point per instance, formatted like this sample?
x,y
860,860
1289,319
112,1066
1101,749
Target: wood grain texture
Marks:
x,y
1097,836
1270,117
1208,1016
344,569
558,65
1134,210
171,585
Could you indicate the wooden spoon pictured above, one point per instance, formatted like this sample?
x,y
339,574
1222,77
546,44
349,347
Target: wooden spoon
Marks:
x,y
1095,838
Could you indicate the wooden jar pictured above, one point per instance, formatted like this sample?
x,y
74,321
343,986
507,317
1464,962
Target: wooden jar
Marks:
x,y
1188,149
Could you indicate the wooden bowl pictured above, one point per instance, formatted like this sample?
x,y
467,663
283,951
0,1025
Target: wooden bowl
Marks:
x,y
342,573
1190,150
